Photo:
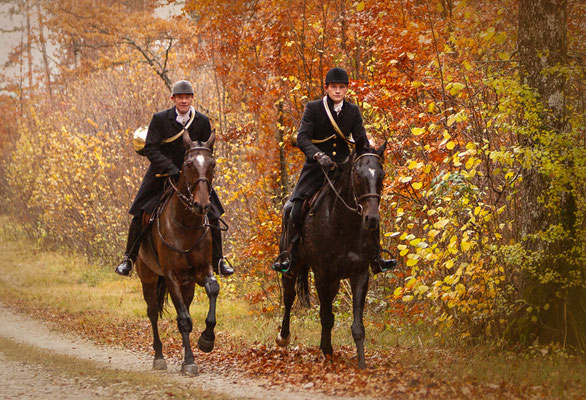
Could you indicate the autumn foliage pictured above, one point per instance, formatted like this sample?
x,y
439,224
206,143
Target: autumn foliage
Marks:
x,y
437,80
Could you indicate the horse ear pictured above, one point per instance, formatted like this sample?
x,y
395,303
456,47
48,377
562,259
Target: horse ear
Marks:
x,y
381,150
210,143
187,142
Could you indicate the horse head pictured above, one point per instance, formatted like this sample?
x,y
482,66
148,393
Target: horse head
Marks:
x,y
198,172
367,183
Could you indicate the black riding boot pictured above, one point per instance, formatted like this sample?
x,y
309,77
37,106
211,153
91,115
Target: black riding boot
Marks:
x,y
379,264
132,246
290,239
219,263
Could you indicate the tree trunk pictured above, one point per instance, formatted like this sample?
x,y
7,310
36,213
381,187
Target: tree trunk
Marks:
x,y
561,318
282,161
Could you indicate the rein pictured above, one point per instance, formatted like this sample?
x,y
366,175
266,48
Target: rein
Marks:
x,y
358,209
181,251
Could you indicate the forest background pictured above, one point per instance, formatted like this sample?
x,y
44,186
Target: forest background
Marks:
x,y
481,104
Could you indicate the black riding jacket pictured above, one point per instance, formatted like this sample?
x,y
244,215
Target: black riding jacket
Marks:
x,y
167,158
315,127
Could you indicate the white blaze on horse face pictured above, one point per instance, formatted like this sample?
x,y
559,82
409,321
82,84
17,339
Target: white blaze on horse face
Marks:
x,y
372,171
200,160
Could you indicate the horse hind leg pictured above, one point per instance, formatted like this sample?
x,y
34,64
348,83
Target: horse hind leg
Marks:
x,y
359,287
284,336
207,337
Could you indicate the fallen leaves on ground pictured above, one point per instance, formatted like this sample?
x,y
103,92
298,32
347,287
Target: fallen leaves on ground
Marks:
x,y
296,367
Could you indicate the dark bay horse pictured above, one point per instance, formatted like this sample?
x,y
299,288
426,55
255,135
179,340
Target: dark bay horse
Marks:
x,y
176,253
339,241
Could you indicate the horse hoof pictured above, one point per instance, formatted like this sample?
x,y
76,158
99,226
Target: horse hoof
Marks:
x,y
282,342
205,345
189,369
160,365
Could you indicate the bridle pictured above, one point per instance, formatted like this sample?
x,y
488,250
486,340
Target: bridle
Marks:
x,y
188,200
357,200
189,203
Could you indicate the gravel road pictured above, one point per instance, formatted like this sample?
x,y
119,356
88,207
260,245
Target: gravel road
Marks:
x,y
22,379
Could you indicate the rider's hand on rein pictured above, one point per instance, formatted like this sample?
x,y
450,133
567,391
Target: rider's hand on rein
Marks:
x,y
323,159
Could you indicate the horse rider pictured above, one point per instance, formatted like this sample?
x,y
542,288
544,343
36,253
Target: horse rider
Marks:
x,y
166,160
323,148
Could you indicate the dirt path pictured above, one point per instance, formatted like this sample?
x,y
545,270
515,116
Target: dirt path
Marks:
x,y
22,379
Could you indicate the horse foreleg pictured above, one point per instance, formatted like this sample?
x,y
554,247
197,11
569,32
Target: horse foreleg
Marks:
x,y
326,292
359,286
150,294
184,325
284,336
207,337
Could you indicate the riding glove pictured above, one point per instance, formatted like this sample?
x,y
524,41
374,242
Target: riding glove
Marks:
x,y
323,159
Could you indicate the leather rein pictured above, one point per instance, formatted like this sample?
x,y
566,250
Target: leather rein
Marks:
x,y
357,200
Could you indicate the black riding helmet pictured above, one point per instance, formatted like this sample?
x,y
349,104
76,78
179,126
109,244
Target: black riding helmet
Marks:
x,y
336,75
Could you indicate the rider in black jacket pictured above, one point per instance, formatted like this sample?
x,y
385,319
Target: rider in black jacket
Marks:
x,y
323,147
166,160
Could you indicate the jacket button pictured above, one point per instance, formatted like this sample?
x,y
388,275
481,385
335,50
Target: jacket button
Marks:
x,y
334,153
335,144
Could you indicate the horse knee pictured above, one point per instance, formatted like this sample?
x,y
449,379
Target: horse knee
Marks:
x,y
184,323
212,287
357,332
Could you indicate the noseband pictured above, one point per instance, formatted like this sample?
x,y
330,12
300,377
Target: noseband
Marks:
x,y
188,200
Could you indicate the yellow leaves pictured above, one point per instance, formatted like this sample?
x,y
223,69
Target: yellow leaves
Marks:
x,y
415,242
449,264
405,179
411,262
450,145
92,123
417,131
457,117
421,289
465,245
360,6
500,37
410,283
454,88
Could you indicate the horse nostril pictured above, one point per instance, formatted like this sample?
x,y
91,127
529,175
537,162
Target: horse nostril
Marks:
x,y
370,221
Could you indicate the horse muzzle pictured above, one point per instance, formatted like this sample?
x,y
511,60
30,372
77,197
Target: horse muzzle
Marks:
x,y
199,209
370,218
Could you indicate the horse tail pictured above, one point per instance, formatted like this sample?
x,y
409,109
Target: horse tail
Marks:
x,y
302,287
161,295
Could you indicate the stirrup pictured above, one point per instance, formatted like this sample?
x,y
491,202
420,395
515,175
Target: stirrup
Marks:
x,y
385,265
277,265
